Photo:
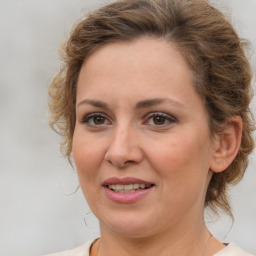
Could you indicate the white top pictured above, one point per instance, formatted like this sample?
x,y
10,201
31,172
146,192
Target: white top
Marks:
x,y
84,250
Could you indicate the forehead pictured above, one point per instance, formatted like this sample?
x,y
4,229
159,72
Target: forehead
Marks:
x,y
143,58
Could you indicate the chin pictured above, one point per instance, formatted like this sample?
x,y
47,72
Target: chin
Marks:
x,y
130,226
129,231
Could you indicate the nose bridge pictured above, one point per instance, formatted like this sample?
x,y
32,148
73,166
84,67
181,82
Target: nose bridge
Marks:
x,y
123,146
122,140
122,134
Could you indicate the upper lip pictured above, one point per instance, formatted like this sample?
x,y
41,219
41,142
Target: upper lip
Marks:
x,y
124,181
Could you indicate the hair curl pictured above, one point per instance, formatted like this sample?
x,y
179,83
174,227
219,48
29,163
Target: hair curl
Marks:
x,y
207,40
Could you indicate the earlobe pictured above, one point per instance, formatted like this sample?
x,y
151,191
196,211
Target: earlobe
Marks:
x,y
227,144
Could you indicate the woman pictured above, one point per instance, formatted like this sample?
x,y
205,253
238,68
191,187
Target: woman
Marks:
x,y
153,105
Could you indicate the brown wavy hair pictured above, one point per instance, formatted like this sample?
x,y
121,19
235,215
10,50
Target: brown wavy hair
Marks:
x,y
209,43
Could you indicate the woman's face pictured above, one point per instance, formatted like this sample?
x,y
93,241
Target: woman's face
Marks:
x,y
141,143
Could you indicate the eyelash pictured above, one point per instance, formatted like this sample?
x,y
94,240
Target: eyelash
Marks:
x,y
165,117
91,117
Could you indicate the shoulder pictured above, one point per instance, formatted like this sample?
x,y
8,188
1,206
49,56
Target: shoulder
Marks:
x,y
82,250
232,250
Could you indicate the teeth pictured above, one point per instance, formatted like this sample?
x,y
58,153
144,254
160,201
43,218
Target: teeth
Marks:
x,y
136,186
127,188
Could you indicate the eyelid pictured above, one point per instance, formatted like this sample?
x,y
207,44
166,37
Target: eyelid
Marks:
x,y
168,117
87,117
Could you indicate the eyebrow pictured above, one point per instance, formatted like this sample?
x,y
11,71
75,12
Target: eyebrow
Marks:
x,y
139,105
157,101
95,103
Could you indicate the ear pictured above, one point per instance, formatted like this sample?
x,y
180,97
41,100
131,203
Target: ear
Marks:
x,y
226,144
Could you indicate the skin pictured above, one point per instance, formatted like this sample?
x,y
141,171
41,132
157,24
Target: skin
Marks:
x,y
165,141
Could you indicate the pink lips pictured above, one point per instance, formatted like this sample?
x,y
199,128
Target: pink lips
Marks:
x,y
125,198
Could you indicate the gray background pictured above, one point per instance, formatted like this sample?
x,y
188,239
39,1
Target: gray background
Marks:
x,y
38,212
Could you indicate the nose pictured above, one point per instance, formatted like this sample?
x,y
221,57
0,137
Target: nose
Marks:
x,y
124,149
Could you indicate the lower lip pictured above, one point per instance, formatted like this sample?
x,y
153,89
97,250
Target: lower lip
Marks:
x,y
126,198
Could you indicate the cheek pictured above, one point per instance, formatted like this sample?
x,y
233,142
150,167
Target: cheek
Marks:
x,y
88,156
183,157
182,166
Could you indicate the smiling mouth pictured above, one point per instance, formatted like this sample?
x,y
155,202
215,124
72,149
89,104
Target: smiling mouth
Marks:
x,y
128,188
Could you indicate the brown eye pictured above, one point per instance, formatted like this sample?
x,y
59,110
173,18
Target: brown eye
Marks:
x,y
96,120
99,120
159,120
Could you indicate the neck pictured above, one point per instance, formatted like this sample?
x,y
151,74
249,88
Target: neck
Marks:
x,y
196,240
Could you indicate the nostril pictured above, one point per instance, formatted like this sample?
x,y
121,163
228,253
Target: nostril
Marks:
x,y
122,156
